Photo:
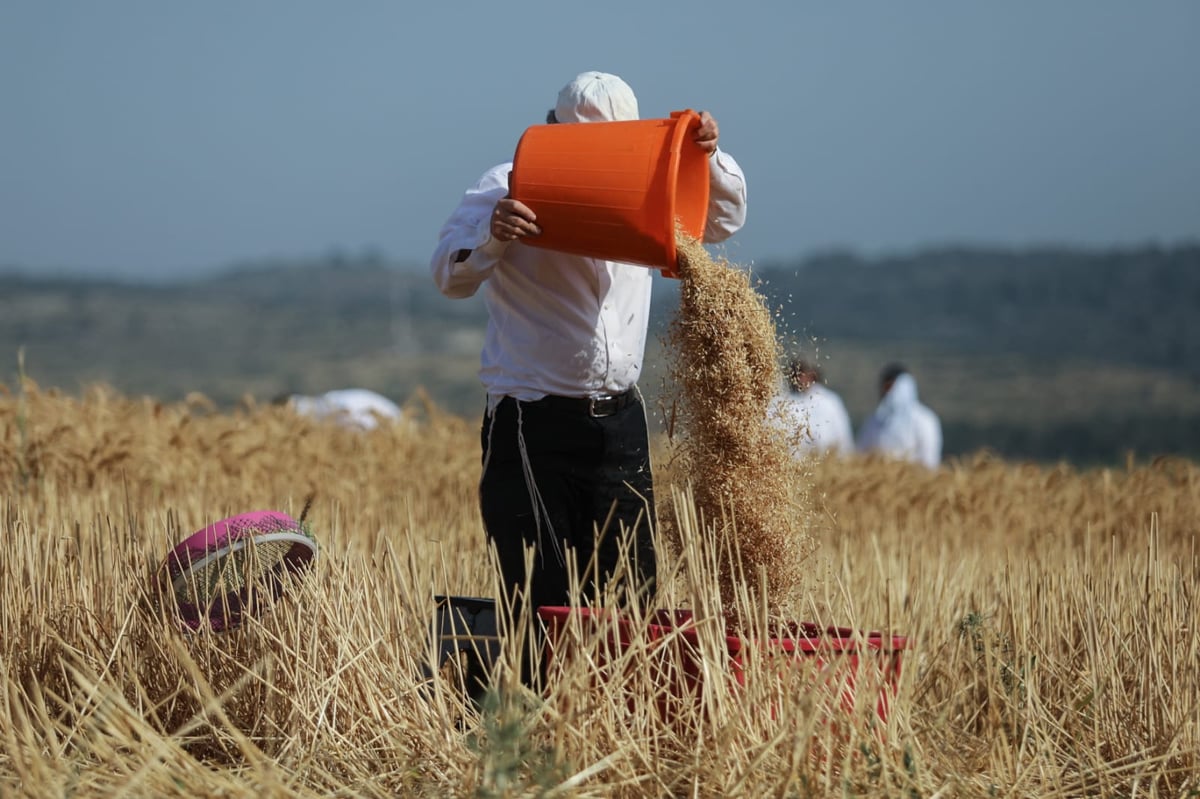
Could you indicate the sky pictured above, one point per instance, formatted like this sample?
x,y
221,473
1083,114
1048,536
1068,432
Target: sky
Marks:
x,y
153,139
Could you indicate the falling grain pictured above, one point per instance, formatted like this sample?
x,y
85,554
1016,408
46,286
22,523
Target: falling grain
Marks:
x,y
725,368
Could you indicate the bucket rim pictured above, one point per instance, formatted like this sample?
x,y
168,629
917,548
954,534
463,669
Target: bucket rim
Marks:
x,y
684,121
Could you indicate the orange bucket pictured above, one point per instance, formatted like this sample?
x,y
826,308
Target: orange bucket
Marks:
x,y
614,190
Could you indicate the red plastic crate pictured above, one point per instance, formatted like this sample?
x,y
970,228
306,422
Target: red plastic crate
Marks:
x,y
832,657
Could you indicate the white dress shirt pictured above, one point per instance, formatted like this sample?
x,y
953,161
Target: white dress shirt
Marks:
x,y
815,420
558,323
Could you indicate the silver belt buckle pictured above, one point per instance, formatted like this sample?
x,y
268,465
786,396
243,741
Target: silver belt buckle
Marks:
x,y
604,405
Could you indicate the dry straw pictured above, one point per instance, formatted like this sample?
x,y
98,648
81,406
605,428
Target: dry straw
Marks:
x,y
725,370
1051,615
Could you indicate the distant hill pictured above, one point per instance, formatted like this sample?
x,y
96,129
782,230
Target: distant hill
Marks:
x,y
1044,354
1138,307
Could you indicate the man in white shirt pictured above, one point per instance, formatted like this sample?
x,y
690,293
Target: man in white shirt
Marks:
x,y
564,437
901,427
813,416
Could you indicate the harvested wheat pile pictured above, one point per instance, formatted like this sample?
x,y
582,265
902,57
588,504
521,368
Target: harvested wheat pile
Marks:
x,y
725,372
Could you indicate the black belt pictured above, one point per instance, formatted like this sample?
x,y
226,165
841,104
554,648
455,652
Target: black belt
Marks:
x,y
598,406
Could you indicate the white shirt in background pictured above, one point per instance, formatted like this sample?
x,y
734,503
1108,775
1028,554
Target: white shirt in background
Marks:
x,y
351,407
901,427
560,324
815,421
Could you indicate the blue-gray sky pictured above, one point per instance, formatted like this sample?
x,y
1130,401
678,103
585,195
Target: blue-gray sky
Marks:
x,y
147,137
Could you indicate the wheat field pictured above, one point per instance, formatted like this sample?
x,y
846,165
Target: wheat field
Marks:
x,y
1050,617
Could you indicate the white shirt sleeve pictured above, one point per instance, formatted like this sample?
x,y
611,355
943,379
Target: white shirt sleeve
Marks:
x,y
469,229
726,198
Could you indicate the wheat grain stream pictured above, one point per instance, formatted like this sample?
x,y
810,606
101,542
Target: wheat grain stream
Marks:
x,y
724,369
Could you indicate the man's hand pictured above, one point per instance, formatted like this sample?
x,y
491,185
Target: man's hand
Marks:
x,y
512,220
706,134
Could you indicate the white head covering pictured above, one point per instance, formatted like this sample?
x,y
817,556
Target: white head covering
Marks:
x,y
901,397
891,429
596,97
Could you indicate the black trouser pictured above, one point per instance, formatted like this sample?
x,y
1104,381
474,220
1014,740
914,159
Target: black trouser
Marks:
x,y
552,475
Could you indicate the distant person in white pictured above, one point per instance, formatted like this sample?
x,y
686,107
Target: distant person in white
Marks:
x,y
351,407
811,414
901,427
